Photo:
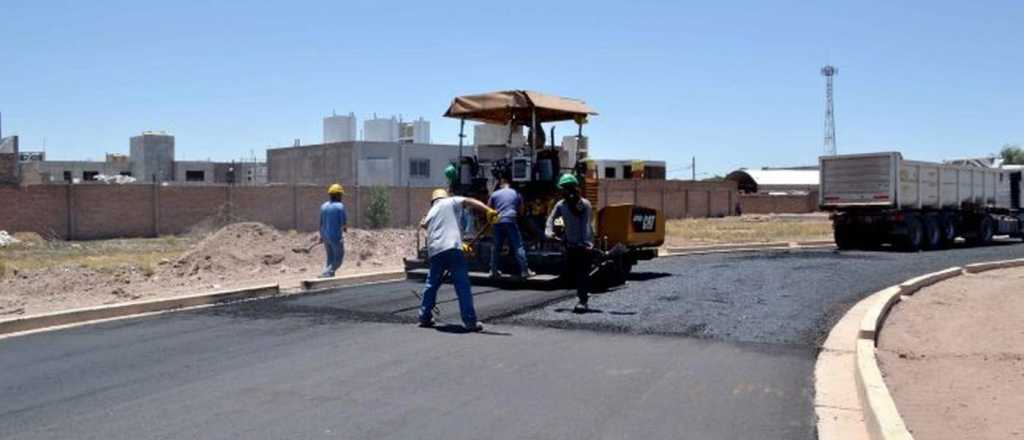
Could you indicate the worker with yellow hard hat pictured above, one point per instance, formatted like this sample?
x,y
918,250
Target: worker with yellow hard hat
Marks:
x,y
445,253
333,225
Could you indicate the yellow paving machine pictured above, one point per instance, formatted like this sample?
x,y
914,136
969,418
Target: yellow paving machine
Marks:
x,y
624,233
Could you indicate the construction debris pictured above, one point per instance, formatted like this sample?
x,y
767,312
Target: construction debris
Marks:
x,y
7,239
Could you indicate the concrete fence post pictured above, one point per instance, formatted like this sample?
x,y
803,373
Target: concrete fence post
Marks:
x,y
408,205
686,203
636,192
728,209
70,205
230,210
708,194
359,217
156,209
662,195
295,207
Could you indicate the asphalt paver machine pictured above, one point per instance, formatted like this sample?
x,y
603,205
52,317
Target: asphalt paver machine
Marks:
x,y
624,233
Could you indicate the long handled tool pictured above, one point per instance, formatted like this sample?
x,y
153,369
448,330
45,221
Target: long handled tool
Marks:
x,y
305,250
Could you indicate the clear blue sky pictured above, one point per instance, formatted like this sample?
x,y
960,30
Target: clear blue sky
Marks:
x,y
733,83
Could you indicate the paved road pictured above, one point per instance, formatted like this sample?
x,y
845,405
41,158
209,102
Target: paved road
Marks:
x,y
345,364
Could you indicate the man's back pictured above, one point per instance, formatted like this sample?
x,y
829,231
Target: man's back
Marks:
x,y
506,201
332,220
442,221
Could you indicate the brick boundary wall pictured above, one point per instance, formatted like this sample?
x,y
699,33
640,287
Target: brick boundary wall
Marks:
x,y
787,204
98,211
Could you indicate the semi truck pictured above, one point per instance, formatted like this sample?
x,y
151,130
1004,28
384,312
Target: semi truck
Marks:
x,y
881,199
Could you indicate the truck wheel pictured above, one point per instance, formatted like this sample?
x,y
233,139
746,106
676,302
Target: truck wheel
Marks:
x,y
915,235
986,229
947,228
932,233
845,237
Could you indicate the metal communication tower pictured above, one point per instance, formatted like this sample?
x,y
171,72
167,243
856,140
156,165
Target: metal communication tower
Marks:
x,y
830,120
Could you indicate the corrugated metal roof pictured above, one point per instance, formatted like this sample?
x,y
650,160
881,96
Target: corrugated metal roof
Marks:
x,y
784,177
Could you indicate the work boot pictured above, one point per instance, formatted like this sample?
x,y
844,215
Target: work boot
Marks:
x,y
581,307
429,323
476,328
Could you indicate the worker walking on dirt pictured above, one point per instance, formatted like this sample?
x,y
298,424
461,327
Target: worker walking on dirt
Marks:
x,y
575,212
333,223
509,205
445,251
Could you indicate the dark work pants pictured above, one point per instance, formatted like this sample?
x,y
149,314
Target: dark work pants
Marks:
x,y
577,271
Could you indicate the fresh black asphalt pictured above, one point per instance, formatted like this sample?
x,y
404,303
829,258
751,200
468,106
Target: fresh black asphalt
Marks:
x,y
713,346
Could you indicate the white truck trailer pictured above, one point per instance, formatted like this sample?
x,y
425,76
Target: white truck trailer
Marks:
x,y
880,198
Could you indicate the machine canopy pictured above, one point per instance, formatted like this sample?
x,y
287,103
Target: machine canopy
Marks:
x,y
518,105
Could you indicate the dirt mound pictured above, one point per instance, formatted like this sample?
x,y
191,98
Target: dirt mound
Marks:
x,y
255,248
235,255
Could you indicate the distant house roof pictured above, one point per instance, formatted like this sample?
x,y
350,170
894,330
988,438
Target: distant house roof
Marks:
x,y
774,180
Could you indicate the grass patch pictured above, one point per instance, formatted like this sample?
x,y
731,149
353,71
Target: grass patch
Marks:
x,y
749,229
100,255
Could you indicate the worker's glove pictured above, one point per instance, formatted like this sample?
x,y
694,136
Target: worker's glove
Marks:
x,y
492,216
467,249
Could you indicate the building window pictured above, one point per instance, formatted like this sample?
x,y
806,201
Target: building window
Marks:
x,y
195,176
67,176
89,175
419,168
609,172
627,171
657,173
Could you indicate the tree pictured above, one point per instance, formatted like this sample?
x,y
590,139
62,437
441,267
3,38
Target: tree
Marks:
x,y
378,213
1012,154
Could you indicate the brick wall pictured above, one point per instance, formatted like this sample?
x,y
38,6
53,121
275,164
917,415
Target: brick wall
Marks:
x,y
676,198
788,204
8,168
95,211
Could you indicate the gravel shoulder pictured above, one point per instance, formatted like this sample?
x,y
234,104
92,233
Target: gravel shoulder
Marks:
x,y
953,357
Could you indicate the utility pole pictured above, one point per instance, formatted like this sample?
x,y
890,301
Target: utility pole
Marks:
x,y
693,168
830,121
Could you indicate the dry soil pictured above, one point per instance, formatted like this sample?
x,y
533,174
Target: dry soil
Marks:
x,y
236,255
953,358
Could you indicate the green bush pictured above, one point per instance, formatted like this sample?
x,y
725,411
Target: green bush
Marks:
x,y
378,213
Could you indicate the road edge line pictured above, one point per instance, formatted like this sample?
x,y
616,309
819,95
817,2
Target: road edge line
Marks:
x,y
351,280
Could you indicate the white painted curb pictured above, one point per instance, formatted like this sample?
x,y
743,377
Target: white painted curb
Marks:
x,y
880,413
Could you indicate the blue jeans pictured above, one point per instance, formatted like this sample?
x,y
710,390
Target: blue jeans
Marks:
x,y
452,261
335,254
510,232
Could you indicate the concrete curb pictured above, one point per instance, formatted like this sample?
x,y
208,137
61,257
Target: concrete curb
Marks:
x,y
78,316
877,411
993,265
351,280
743,247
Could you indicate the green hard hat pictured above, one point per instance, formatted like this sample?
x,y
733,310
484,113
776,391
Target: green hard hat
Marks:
x,y
567,179
450,172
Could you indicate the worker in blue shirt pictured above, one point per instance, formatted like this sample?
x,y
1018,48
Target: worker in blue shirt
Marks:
x,y
509,205
333,222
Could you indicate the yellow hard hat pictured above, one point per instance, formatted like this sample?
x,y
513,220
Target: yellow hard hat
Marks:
x,y
439,193
336,189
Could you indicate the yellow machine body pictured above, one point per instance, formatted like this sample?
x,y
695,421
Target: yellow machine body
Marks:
x,y
631,225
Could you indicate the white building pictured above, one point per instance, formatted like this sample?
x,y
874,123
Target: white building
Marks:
x,y
380,129
415,132
340,128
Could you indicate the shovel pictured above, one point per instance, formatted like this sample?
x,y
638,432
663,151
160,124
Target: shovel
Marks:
x,y
304,250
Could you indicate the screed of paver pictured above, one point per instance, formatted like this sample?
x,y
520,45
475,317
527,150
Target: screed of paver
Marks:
x,y
953,357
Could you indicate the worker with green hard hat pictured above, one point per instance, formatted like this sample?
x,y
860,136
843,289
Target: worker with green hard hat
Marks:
x,y
578,239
